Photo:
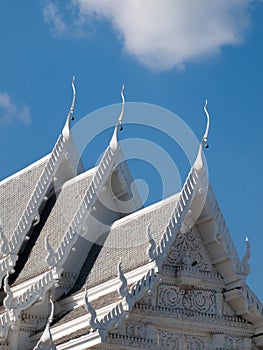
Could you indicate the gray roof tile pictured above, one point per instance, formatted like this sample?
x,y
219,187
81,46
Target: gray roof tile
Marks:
x,y
15,193
57,223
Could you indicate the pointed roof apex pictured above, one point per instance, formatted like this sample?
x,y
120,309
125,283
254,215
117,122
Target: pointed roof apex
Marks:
x,y
66,129
114,139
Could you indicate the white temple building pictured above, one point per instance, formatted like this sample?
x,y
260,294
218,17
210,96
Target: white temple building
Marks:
x,y
67,283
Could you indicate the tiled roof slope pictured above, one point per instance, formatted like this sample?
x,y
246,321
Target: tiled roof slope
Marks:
x,y
127,240
56,224
12,200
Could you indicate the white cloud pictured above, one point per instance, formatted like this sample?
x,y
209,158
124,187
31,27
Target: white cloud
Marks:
x,y
13,111
53,16
163,34
64,18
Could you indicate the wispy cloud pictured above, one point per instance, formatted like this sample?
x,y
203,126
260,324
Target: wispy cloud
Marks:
x,y
64,18
164,34
13,111
161,34
53,16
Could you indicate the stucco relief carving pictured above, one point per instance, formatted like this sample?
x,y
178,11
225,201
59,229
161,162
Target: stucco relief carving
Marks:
x,y
188,250
172,297
176,341
135,330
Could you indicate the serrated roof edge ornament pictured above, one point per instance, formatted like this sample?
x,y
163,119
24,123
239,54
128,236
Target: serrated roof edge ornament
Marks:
x,y
114,139
70,116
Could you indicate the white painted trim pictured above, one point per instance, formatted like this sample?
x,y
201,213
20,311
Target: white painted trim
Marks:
x,y
143,211
25,170
22,287
81,176
74,301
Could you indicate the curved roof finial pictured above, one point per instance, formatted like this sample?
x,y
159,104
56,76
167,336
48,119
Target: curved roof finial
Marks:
x,y
46,341
70,116
199,160
205,137
114,139
246,257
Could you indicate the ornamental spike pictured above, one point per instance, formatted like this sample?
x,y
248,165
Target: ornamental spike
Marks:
x,y
246,257
123,287
46,341
4,250
114,139
93,315
70,116
205,137
152,245
199,164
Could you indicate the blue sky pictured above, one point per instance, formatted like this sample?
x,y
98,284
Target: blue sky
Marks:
x,y
167,53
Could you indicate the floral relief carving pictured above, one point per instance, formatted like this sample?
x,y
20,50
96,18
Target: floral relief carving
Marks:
x,y
234,343
172,297
189,245
135,330
170,341
177,341
200,301
196,343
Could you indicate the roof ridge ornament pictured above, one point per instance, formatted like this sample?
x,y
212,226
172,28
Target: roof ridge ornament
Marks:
x,y
151,250
199,163
50,251
114,139
9,295
70,116
4,249
246,257
205,137
93,322
46,340
122,290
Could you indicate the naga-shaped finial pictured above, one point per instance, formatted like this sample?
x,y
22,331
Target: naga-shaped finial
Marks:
x,y
246,257
114,139
93,322
70,116
123,291
46,341
205,137
4,250
9,295
152,245
50,251
199,165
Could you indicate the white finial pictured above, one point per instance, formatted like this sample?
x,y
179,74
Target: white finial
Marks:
x,y
93,322
205,137
70,116
123,287
199,165
50,255
114,139
246,257
3,241
152,245
46,341
9,295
